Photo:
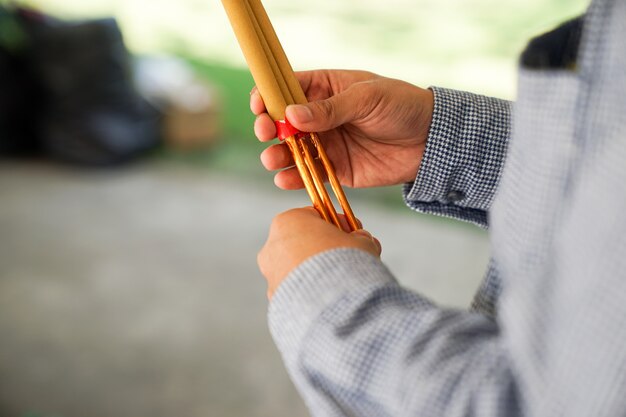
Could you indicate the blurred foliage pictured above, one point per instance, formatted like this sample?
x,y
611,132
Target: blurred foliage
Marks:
x,y
235,85
237,151
464,44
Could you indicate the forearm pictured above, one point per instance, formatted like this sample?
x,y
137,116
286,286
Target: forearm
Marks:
x,y
356,343
465,153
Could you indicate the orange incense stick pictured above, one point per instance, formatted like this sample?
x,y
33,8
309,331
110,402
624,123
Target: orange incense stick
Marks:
x,y
279,87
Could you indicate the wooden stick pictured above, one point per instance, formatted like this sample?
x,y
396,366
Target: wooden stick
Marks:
x,y
318,179
255,56
298,94
309,184
279,53
318,196
278,74
279,87
335,184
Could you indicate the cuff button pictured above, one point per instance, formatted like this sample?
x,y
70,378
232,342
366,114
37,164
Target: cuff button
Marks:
x,y
455,195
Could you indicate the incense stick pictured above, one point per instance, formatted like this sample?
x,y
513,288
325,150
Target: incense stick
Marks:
x,y
279,74
279,87
256,58
278,52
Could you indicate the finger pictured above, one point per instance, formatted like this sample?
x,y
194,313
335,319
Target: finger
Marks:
x,y
256,102
379,246
324,115
289,179
321,84
296,214
367,237
343,222
311,211
264,128
362,232
345,225
277,157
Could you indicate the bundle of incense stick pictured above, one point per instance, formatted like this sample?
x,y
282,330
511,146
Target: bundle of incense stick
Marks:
x,y
279,87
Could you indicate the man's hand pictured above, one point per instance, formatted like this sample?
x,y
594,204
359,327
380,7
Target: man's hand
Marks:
x,y
298,234
374,129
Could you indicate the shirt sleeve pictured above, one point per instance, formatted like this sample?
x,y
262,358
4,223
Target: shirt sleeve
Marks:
x,y
356,343
464,156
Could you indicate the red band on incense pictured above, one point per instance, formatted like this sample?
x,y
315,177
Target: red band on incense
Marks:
x,y
284,129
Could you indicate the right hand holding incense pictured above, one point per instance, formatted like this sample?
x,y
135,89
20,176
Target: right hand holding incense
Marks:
x,y
374,129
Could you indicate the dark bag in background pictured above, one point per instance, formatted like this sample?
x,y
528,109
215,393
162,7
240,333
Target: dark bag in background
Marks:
x,y
21,96
89,111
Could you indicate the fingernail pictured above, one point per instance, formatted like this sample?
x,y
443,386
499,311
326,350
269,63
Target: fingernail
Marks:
x,y
253,98
299,113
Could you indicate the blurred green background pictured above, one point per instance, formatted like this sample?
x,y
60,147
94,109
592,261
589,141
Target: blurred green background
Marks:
x,y
470,45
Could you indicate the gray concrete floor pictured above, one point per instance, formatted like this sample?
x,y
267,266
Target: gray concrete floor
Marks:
x,y
135,292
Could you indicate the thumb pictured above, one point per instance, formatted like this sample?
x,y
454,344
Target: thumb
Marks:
x,y
324,115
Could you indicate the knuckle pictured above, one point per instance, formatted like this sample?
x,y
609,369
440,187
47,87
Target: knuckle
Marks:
x,y
327,109
263,260
280,220
260,259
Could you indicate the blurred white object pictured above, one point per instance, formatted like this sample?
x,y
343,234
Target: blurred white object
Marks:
x,y
191,107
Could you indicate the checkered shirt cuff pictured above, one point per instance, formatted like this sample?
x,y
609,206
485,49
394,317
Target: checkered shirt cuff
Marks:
x,y
465,152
